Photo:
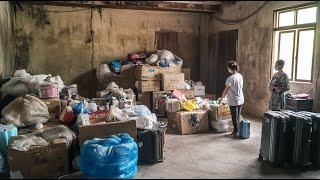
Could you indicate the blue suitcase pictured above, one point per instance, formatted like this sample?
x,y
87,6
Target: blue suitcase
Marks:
x,y
245,129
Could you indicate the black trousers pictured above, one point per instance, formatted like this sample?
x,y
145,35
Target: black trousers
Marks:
x,y
235,113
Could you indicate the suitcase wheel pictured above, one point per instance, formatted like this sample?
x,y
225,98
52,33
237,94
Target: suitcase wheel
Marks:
x,y
260,157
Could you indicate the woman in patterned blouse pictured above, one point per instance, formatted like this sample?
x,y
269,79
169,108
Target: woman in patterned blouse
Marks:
x,y
278,86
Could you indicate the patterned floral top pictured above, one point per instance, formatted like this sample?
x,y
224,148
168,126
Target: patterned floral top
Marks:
x,y
281,81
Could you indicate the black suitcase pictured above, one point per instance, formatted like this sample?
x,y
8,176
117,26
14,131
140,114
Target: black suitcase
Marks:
x,y
301,139
315,138
315,142
150,143
274,137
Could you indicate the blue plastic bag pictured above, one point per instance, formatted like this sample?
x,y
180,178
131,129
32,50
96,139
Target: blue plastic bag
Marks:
x,y
116,65
79,108
114,157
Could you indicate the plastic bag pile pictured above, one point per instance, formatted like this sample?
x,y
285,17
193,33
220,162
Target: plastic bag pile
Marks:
x,y
164,58
114,157
140,113
24,143
23,83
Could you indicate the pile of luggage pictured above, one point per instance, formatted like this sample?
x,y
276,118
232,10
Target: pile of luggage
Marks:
x,y
291,138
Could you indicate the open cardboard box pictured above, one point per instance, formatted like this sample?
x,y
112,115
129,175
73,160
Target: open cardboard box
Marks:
x,y
103,129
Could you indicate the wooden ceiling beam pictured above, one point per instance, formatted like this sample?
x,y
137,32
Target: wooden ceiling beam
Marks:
x,y
136,5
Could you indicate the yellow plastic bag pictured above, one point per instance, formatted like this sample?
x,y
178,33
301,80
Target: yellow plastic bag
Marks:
x,y
189,105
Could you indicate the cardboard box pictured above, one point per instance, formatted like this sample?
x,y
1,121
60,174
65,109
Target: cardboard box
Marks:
x,y
220,112
54,107
41,161
187,73
101,94
69,91
209,96
199,91
145,98
173,105
147,72
98,116
127,77
148,86
172,69
104,129
189,94
159,102
100,101
181,121
172,81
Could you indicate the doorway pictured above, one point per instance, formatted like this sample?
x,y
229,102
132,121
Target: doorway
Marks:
x,y
227,51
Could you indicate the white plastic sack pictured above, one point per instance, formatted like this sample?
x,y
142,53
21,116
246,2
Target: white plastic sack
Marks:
x,y
57,80
111,86
59,131
91,107
23,143
145,122
83,119
221,125
21,73
117,114
26,111
165,54
103,73
152,59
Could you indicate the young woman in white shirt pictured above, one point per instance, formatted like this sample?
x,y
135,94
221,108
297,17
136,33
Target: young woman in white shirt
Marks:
x,y
233,90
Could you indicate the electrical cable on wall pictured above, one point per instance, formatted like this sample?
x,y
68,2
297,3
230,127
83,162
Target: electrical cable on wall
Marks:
x,y
237,21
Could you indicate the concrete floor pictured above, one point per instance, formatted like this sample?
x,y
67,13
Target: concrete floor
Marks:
x,y
215,156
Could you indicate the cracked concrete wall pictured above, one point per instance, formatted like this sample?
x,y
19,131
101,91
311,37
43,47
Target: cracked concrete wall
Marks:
x,y
5,39
64,47
254,50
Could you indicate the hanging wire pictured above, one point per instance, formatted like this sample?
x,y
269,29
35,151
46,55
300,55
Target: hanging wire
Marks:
x,y
237,21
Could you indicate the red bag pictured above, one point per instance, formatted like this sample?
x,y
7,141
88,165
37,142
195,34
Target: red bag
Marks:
x,y
67,115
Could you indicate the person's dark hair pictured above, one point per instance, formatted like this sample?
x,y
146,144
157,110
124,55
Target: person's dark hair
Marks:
x,y
233,66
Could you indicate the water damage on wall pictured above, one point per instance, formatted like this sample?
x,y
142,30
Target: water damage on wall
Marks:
x,y
21,39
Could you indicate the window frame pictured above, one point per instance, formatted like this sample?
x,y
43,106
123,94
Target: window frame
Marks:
x,y
297,58
293,49
296,28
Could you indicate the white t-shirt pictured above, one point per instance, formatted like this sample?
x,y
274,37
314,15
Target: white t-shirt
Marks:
x,y
235,94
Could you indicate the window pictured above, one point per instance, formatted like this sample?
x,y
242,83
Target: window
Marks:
x,y
294,36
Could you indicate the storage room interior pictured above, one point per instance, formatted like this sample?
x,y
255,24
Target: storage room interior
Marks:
x,y
144,89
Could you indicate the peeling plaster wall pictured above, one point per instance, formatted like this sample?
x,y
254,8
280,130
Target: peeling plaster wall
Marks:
x,y
63,47
5,39
254,50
